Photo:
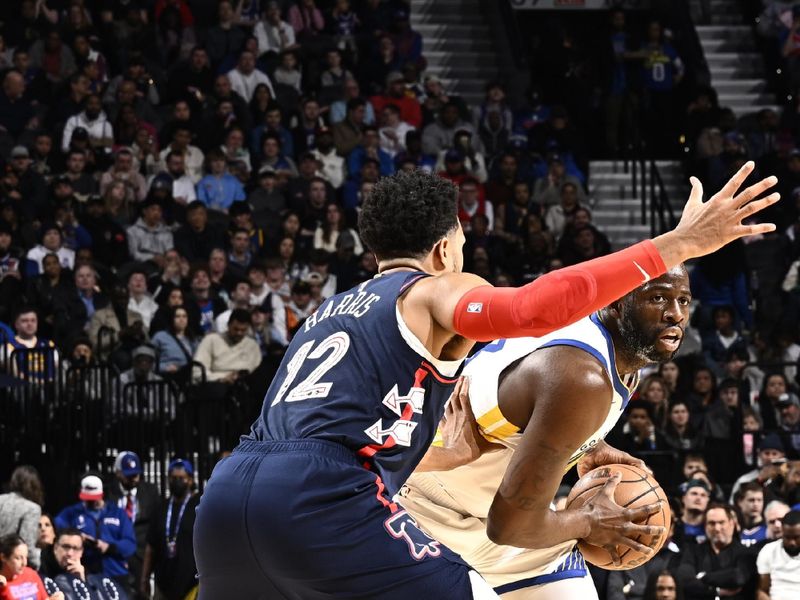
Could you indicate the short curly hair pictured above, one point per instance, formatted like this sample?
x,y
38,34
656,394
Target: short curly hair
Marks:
x,y
406,214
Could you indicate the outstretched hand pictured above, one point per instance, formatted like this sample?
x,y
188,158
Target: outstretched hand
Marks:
x,y
719,221
459,428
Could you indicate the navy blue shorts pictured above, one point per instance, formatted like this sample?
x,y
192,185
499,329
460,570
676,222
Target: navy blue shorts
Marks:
x,y
304,520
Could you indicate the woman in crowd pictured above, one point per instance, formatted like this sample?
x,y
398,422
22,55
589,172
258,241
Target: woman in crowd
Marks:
x,y
17,580
702,394
654,390
678,431
328,232
21,508
669,373
47,532
775,386
295,268
176,344
262,100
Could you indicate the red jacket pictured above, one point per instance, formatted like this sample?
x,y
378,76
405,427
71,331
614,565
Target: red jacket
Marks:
x,y
410,110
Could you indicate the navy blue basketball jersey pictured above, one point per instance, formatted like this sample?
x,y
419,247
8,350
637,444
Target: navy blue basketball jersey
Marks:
x,y
354,374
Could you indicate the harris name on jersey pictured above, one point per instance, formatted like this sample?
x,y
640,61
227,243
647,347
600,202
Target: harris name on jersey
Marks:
x,y
355,305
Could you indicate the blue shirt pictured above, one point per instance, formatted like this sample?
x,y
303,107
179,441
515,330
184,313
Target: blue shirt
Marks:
x,y
88,302
660,67
218,193
359,155
111,525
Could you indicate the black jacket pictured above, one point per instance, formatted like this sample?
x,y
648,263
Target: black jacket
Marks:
x,y
733,568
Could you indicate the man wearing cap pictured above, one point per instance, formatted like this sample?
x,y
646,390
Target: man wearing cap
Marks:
x,y
149,238
31,184
169,552
148,403
331,166
139,499
694,498
789,407
771,458
410,109
108,536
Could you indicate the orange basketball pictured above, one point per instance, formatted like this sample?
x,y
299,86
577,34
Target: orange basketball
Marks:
x,y
636,489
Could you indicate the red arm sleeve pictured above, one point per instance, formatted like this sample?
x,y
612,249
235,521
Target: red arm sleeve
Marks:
x,y
557,299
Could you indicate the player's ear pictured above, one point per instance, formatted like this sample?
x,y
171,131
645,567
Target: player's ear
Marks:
x,y
615,309
440,254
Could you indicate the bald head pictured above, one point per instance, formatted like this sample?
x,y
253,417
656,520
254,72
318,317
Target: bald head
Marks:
x,y
14,85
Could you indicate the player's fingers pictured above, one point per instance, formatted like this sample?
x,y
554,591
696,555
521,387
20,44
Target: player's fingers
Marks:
x,y
696,195
760,228
614,553
635,515
735,182
633,530
611,484
757,206
754,191
628,541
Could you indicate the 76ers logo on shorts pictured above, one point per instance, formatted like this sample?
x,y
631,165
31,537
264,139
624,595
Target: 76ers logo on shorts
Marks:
x,y
402,526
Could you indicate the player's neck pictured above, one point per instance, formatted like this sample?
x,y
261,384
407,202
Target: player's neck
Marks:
x,y
386,267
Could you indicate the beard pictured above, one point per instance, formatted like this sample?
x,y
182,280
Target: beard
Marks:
x,y
641,340
792,551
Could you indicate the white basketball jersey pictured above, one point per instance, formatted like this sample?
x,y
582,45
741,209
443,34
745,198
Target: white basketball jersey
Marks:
x,y
484,370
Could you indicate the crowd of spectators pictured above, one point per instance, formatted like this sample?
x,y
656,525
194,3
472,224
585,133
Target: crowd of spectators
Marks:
x,y
180,183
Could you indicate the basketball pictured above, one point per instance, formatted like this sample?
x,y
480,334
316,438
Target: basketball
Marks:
x,y
636,489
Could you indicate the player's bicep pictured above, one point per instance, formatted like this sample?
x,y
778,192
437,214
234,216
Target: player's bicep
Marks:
x,y
569,408
437,298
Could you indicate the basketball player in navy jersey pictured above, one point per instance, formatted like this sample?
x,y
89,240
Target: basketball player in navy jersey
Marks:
x,y
303,507
546,403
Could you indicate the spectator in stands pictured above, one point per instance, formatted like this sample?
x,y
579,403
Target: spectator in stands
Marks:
x,y
21,509
339,109
140,301
226,38
218,189
31,184
547,190
779,576
723,338
472,202
62,561
771,455
273,34
721,564
331,165
16,110
773,517
139,499
245,77
775,387
149,238
107,531
115,324
702,394
16,579
273,156
328,232
93,119
289,74
474,161
169,554
494,102
395,94
694,500
202,300
348,133
393,130
74,307
440,134
226,356
195,240
369,147
123,170
299,307
239,299
561,215
81,182
41,363
177,343
192,158
51,243
749,501
789,407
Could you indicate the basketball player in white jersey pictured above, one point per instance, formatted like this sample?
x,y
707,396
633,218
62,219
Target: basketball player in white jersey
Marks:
x,y
547,403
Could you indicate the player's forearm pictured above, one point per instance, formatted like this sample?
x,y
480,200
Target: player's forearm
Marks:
x,y
559,298
441,459
526,525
